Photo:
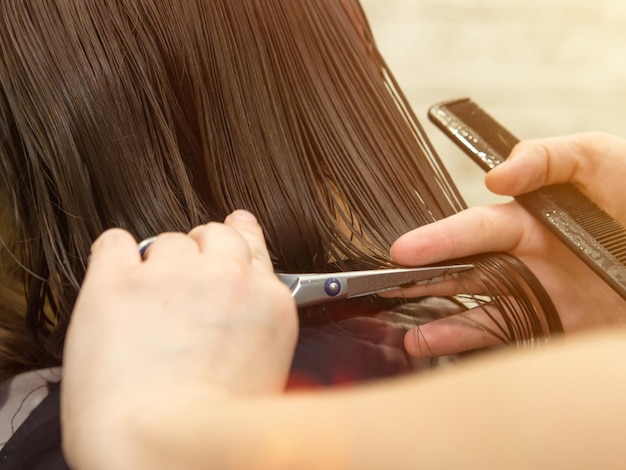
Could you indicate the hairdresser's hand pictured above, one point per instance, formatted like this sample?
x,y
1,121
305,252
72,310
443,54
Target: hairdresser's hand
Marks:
x,y
202,316
596,164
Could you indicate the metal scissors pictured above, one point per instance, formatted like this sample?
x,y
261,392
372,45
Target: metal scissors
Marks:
x,y
313,289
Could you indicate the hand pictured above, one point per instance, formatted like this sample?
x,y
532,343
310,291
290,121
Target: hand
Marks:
x,y
596,164
202,314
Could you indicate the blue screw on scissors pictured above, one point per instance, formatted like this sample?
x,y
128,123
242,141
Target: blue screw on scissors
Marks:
x,y
313,289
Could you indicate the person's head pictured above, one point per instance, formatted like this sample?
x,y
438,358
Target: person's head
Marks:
x,y
157,116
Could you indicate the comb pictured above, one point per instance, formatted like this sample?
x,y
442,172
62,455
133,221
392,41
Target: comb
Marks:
x,y
591,233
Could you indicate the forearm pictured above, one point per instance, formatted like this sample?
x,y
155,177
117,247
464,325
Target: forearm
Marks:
x,y
521,410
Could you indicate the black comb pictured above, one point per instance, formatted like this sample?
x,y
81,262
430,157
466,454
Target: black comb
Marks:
x,y
597,238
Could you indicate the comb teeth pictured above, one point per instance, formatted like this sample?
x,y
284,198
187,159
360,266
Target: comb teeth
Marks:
x,y
594,220
592,234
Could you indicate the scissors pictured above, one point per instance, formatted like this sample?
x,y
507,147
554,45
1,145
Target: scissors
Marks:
x,y
313,289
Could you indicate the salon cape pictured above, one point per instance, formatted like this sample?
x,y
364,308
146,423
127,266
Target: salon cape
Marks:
x,y
336,353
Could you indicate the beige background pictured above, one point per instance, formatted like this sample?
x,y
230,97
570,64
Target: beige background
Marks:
x,y
541,67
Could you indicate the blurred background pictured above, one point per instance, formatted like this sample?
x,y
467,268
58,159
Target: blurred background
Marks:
x,y
541,67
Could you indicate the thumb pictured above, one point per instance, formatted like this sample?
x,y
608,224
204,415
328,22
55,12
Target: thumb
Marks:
x,y
246,224
536,163
526,169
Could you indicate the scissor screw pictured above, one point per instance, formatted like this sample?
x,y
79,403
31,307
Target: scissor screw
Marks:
x,y
332,287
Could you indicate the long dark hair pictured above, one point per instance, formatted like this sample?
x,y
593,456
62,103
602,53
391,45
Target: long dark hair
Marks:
x,y
157,116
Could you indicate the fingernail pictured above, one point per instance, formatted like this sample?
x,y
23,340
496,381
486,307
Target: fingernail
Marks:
x,y
242,216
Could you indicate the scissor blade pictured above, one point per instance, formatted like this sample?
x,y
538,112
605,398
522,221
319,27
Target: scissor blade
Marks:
x,y
375,281
312,289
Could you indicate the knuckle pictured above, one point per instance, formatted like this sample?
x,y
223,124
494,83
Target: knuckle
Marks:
x,y
485,220
209,230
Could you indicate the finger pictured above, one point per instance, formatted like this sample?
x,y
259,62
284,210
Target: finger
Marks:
x,y
473,231
473,329
114,250
218,241
169,246
246,224
536,163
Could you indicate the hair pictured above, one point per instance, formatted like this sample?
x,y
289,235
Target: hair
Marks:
x,y
158,116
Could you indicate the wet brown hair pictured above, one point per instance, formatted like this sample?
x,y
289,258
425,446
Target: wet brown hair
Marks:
x,y
157,116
